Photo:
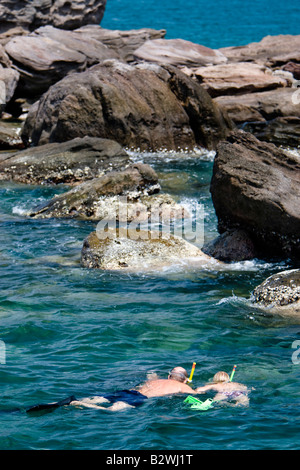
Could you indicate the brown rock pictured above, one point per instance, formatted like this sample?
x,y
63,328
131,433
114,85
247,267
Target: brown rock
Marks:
x,y
143,106
294,69
30,14
255,187
70,162
270,51
237,79
178,52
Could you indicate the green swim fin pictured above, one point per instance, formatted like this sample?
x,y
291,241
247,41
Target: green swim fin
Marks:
x,y
198,404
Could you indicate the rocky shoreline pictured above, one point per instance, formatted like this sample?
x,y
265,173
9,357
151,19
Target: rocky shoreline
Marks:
x,y
84,95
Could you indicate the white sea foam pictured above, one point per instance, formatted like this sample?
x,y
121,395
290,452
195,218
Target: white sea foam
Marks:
x,y
171,155
20,210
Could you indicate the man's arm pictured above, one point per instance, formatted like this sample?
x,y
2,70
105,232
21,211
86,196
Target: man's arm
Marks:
x,y
205,388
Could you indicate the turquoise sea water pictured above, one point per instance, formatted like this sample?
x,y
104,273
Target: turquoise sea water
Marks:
x,y
213,23
68,330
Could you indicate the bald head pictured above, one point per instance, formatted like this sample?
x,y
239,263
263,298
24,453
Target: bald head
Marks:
x,y
179,374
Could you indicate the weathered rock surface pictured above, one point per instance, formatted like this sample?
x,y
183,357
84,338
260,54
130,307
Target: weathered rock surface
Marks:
x,y
270,51
233,245
281,131
88,200
131,251
48,54
238,78
124,43
178,52
250,87
280,293
263,106
70,162
30,14
272,116
255,187
142,106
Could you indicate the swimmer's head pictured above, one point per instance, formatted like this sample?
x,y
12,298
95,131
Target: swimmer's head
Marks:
x,y
221,377
179,374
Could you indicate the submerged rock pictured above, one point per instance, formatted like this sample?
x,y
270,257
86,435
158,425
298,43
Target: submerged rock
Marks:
x,y
140,106
280,293
70,162
256,187
95,199
138,251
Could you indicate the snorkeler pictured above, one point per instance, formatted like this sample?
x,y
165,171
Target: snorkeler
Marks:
x,y
176,383
228,391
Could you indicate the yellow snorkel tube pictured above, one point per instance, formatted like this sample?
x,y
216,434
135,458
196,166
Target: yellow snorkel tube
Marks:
x,y
232,373
192,373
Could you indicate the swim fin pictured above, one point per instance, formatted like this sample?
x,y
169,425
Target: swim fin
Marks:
x,y
198,404
51,406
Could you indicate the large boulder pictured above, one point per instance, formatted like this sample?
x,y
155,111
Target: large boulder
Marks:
x,y
70,162
255,187
30,14
140,106
279,293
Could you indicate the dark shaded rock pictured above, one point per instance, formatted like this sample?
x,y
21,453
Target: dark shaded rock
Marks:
x,y
143,106
30,14
281,130
233,245
71,162
255,187
294,69
280,293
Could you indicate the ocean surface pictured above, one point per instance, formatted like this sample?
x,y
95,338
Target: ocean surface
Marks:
x,y
213,23
66,330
